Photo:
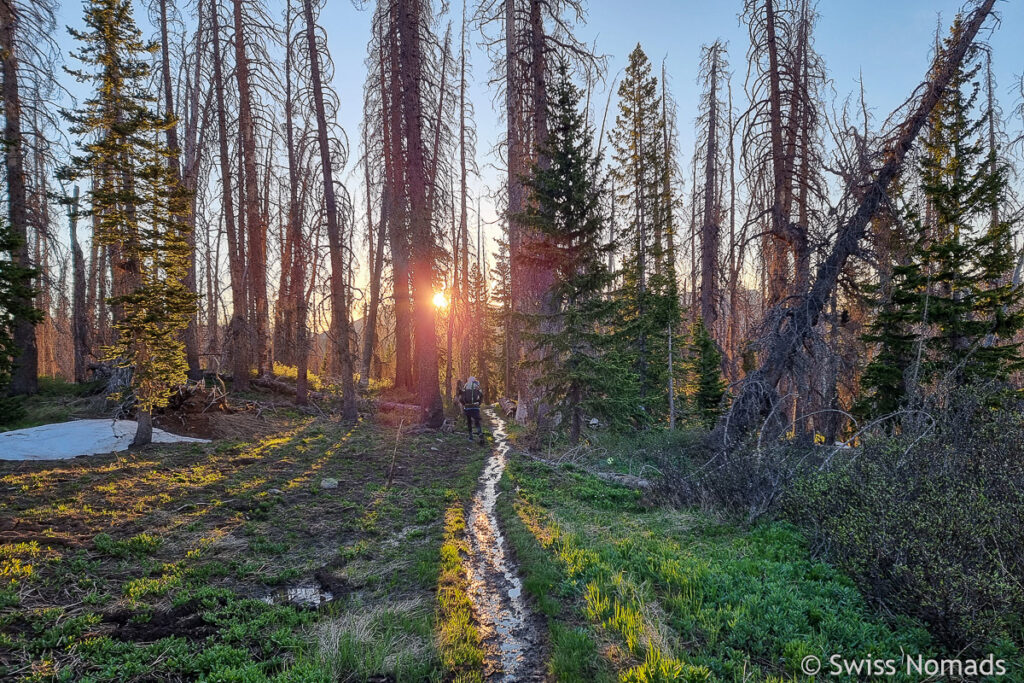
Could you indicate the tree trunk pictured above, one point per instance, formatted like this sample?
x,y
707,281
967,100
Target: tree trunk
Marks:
x,y
339,294
295,298
25,372
144,432
710,230
239,343
256,229
422,262
79,319
376,239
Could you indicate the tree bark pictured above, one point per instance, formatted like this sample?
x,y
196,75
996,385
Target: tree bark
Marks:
x,y
25,372
79,319
256,229
339,294
144,432
422,263
239,342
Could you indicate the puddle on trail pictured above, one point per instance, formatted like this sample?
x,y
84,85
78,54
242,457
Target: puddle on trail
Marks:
x,y
509,631
302,595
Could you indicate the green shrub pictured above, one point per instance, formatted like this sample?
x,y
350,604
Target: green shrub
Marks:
x,y
932,523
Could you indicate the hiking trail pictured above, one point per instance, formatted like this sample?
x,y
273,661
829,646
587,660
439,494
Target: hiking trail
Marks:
x,y
509,630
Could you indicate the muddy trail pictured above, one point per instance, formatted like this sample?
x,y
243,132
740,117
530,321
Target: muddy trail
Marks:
x,y
511,632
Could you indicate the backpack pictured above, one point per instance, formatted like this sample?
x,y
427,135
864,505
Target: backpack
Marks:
x,y
471,397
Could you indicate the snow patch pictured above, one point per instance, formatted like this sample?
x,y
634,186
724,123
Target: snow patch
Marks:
x,y
81,437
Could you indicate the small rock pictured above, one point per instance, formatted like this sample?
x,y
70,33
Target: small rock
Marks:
x,y
434,448
328,483
274,492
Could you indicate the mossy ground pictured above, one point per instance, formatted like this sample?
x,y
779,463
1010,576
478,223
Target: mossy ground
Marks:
x,y
163,563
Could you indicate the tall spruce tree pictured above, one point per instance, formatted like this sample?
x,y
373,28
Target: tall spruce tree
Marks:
x,y
648,298
953,307
576,375
506,323
706,383
137,201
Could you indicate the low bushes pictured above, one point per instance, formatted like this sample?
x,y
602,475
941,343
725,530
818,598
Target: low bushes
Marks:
x,y
931,523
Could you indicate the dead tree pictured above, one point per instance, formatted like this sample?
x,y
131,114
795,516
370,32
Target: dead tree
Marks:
x,y
410,19
714,126
237,329
79,318
256,228
24,376
339,292
795,321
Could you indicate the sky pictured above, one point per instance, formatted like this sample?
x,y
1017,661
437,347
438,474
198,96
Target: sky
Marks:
x,y
888,41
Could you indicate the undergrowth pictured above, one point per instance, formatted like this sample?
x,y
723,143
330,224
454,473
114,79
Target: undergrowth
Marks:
x,y
679,595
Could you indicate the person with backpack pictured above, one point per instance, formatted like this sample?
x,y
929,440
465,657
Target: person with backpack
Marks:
x,y
470,397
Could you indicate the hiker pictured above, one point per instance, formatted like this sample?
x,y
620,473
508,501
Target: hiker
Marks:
x,y
470,397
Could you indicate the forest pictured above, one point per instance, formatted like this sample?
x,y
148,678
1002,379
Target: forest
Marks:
x,y
483,354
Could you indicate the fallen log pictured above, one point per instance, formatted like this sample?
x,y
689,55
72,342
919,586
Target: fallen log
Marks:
x,y
794,322
390,406
285,388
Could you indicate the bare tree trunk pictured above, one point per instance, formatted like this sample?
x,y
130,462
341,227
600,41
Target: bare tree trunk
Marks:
x,y
710,230
395,203
422,265
255,225
79,320
376,245
25,373
339,294
463,289
239,342
295,297
144,432
777,257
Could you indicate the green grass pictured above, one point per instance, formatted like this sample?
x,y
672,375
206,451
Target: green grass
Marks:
x,y
155,564
56,401
662,594
462,650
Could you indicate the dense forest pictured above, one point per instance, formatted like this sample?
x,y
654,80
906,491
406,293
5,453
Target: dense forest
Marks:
x,y
791,350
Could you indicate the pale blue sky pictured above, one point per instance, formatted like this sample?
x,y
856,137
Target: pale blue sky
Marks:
x,y
889,40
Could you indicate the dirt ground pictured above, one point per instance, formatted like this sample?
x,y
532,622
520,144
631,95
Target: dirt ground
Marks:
x,y
188,561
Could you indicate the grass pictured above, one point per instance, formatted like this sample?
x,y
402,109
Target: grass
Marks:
x,y
651,594
170,562
56,401
461,647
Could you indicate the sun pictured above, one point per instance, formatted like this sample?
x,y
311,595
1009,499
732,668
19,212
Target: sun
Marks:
x,y
440,301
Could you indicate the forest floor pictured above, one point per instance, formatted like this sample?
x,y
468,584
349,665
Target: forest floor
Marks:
x,y
231,561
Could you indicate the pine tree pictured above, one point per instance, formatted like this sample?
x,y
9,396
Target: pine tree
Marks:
x,y
137,202
952,305
501,276
706,383
575,375
15,303
648,299
480,328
